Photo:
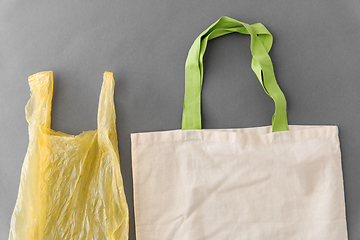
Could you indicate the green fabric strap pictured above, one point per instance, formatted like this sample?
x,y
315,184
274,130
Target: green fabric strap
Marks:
x,y
261,42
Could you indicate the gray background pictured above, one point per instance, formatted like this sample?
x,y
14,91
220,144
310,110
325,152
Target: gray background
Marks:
x,y
145,43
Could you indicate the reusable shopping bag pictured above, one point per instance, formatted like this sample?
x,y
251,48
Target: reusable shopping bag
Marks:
x,y
276,182
71,186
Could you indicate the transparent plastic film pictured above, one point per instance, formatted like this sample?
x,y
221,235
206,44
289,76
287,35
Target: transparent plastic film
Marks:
x,y
71,186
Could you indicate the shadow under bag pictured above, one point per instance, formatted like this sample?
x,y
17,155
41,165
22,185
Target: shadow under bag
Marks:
x,y
276,182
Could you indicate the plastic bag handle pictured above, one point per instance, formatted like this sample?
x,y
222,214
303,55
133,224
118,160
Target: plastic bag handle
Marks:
x,y
261,42
106,120
38,108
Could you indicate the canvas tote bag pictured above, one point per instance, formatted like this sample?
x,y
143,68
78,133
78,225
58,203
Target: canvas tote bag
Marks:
x,y
277,182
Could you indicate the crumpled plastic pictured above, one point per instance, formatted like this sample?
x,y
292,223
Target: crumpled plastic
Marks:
x,y
71,186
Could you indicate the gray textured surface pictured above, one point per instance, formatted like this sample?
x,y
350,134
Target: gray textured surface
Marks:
x,y
145,43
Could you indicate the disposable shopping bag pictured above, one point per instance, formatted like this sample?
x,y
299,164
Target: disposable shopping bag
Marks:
x,y
71,186
276,182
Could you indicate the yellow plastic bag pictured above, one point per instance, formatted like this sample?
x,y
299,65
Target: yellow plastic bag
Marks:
x,y
71,186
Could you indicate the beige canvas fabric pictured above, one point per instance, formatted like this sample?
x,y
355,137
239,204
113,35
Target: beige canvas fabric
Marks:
x,y
267,183
239,184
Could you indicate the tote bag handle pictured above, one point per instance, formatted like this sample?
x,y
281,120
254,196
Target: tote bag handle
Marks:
x,y
261,42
